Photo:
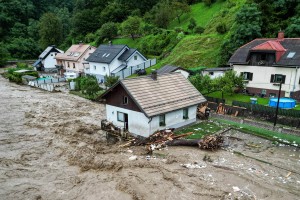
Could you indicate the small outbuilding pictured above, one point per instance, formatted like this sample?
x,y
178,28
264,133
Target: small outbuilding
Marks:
x,y
170,68
146,104
216,72
46,61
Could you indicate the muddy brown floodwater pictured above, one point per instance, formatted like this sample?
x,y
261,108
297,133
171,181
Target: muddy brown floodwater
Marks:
x,y
51,147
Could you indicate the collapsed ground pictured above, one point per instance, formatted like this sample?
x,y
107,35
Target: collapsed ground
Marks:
x,y
51,147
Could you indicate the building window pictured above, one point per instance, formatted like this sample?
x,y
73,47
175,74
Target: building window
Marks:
x,y
120,116
68,65
185,113
125,100
73,65
51,54
277,78
104,69
211,73
247,75
135,57
162,120
264,92
94,67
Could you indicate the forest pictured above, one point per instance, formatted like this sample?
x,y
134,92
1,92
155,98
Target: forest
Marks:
x,y
156,27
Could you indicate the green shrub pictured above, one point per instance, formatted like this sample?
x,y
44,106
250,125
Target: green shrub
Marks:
x,y
221,28
199,29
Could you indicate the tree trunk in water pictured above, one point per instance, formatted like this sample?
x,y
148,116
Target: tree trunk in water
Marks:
x,y
182,142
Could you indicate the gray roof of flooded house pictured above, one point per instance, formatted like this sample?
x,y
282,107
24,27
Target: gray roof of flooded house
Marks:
x,y
291,57
169,92
127,54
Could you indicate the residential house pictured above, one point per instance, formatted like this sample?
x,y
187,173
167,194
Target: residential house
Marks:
x,y
111,59
46,61
265,63
215,72
73,60
170,68
145,104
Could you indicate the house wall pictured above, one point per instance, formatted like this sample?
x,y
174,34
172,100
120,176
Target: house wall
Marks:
x,y
174,119
137,121
184,73
262,76
139,59
139,124
215,75
50,61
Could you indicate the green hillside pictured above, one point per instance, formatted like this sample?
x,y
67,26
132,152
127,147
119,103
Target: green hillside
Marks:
x,y
196,49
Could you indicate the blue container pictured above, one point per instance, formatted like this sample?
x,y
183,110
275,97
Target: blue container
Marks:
x,y
285,103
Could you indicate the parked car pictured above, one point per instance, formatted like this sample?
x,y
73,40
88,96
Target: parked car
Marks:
x,y
140,72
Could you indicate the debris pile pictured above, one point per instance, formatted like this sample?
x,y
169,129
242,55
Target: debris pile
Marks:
x,y
211,142
163,138
109,127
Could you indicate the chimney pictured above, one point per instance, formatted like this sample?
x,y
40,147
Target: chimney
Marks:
x,y
154,75
280,35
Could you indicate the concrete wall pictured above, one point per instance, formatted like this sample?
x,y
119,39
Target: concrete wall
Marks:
x,y
262,76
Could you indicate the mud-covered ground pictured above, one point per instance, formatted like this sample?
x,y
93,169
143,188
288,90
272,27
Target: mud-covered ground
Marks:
x,y
51,147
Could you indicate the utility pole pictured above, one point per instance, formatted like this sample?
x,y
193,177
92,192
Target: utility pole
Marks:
x,y
276,113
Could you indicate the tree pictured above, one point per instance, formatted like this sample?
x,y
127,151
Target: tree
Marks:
x,y
50,30
132,26
180,7
192,24
107,31
228,83
4,54
110,80
293,30
162,14
203,84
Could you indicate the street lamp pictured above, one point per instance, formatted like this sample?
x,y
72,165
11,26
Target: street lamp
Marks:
x,y
276,113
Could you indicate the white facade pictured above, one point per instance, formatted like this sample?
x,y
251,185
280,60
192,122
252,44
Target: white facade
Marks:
x,y
101,69
139,124
184,73
262,76
50,61
213,74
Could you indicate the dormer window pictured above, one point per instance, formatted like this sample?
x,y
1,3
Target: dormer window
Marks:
x,y
125,100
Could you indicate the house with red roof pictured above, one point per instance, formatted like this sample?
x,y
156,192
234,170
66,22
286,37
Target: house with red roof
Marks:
x,y
265,63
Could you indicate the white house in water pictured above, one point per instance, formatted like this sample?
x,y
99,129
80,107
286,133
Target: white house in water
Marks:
x,y
265,63
146,104
72,61
47,61
111,59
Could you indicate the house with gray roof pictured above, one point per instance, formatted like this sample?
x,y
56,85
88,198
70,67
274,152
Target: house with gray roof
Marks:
x,y
111,59
171,68
265,63
145,104
46,61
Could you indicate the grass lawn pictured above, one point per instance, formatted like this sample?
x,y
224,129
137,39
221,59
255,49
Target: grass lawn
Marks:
x,y
200,129
238,97
268,134
128,41
243,98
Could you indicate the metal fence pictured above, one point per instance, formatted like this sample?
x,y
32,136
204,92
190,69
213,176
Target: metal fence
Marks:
x,y
50,80
131,69
261,109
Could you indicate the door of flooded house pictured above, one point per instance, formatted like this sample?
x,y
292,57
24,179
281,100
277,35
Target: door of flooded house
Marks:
x,y
125,121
